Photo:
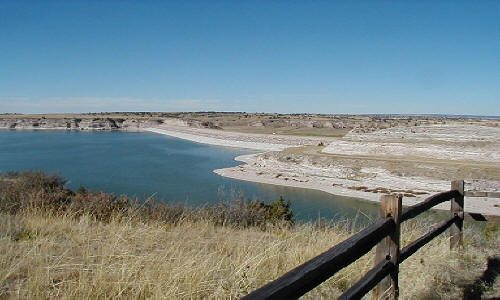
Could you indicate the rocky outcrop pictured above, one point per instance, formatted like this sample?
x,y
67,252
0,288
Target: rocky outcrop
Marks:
x,y
77,124
129,124
37,123
135,124
298,123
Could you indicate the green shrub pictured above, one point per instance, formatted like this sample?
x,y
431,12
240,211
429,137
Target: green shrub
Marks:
x,y
38,191
278,211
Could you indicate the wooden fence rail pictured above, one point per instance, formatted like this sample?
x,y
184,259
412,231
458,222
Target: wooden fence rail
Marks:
x,y
385,233
415,210
304,278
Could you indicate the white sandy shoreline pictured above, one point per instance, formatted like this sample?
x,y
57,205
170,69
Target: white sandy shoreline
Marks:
x,y
220,142
246,173
256,169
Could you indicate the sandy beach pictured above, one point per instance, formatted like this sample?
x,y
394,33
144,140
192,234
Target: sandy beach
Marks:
x,y
365,166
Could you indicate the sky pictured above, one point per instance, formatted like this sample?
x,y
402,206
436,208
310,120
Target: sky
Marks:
x,y
345,57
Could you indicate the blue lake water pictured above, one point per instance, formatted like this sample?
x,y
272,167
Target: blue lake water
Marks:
x,y
170,169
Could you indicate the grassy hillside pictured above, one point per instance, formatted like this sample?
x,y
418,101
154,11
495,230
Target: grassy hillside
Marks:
x,y
59,243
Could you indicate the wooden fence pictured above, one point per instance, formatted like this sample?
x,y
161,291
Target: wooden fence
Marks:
x,y
385,234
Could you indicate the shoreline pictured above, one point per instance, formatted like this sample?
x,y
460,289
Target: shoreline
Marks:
x,y
241,172
306,175
220,142
254,169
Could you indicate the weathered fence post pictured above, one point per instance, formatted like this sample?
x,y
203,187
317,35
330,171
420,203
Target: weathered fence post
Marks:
x,y
388,248
457,209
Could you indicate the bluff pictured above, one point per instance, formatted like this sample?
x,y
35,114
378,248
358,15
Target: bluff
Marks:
x,y
77,124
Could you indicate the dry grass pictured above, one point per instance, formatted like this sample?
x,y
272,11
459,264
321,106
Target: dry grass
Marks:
x,y
61,256
287,130
57,243
377,190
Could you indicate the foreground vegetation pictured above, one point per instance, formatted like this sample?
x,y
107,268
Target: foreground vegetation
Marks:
x,y
58,243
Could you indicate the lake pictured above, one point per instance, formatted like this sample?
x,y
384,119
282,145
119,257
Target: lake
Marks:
x,y
170,169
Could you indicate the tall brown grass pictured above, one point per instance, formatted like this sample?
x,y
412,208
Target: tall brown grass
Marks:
x,y
83,248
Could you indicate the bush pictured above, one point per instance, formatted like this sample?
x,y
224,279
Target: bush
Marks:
x,y
26,191
239,212
277,211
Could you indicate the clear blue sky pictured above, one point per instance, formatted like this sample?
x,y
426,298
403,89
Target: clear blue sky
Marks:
x,y
264,56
